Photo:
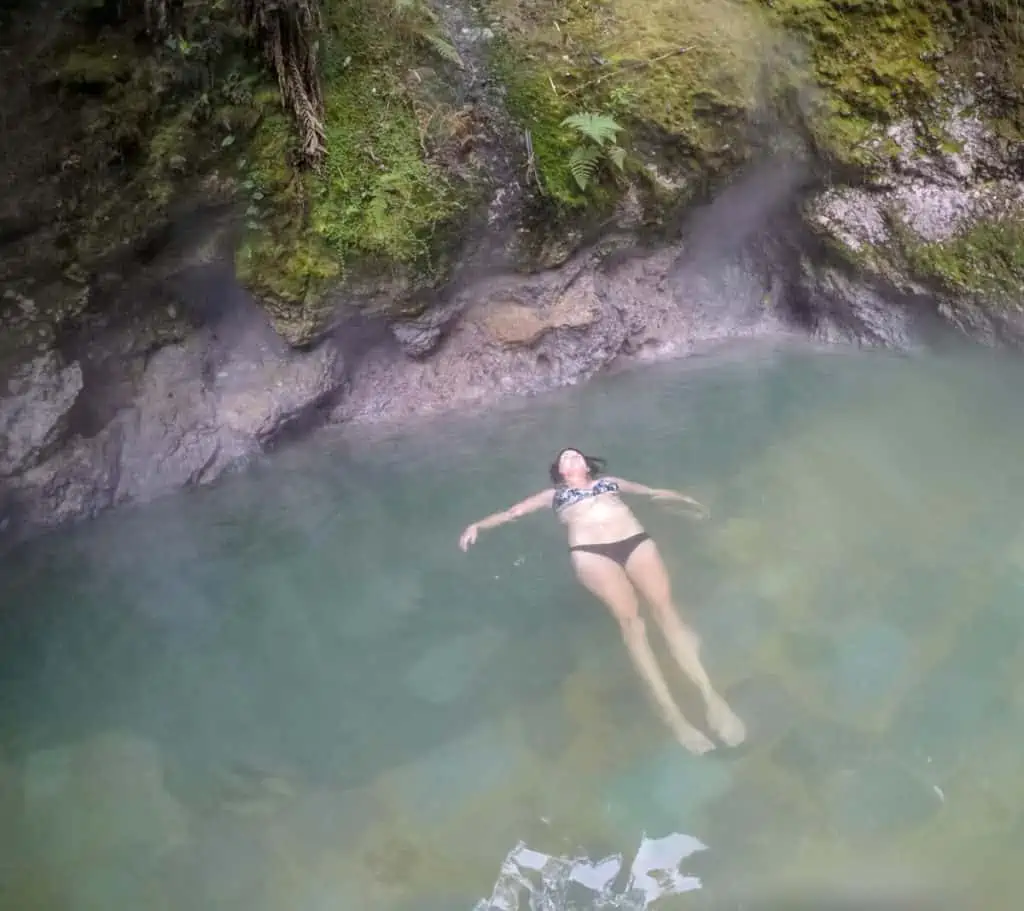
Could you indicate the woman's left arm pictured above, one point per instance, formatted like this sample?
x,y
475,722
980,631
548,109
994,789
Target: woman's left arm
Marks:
x,y
657,493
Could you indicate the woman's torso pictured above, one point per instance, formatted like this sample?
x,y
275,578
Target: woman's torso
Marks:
x,y
594,514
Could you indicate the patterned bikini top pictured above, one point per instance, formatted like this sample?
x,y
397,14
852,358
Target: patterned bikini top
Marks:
x,y
567,496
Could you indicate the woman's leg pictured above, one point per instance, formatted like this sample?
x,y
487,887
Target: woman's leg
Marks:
x,y
605,579
647,571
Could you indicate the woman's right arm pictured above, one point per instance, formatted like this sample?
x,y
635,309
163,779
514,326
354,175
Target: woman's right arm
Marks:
x,y
525,507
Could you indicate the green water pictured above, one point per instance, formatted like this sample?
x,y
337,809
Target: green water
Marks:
x,y
294,692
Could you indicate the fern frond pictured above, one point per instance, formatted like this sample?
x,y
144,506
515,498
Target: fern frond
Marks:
x,y
583,164
617,154
412,9
444,49
598,127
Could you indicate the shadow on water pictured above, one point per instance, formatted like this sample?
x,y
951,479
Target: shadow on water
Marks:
x,y
292,690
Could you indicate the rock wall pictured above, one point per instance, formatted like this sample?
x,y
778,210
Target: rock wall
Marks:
x,y
90,433
177,296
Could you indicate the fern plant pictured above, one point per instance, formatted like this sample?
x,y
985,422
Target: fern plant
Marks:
x,y
421,21
598,134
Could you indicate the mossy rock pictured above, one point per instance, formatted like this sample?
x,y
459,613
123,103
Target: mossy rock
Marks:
x,y
679,90
149,129
983,260
873,62
114,137
698,87
385,208
714,82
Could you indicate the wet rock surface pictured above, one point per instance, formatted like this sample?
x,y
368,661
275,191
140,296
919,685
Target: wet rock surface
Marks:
x,y
177,418
525,334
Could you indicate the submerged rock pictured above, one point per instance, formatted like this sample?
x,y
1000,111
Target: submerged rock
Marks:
x,y
665,792
879,798
98,818
445,672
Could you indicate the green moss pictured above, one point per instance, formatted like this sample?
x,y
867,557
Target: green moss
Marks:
x,y
989,41
166,156
874,61
280,258
380,201
532,101
844,68
987,259
626,58
380,195
700,95
111,60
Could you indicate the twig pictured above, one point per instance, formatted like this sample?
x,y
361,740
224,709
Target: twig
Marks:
x,y
531,161
641,64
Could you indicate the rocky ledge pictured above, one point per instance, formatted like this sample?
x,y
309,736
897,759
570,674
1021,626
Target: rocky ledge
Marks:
x,y
84,434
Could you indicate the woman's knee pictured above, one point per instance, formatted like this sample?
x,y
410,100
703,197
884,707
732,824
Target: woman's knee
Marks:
x,y
632,625
668,617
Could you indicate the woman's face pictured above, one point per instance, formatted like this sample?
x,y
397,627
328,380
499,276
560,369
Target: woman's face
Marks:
x,y
572,464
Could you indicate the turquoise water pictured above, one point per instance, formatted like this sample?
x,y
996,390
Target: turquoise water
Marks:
x,y
294,692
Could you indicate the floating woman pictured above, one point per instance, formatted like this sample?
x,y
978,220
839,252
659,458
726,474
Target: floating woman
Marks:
x,y
615,559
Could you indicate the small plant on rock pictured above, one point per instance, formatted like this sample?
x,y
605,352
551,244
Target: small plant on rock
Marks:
x,y
597,134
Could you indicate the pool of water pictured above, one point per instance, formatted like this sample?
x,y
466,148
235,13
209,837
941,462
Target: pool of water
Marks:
x,y
293,691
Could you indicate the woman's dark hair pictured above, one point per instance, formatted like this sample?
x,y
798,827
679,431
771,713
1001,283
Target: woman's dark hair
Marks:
x,y
595,465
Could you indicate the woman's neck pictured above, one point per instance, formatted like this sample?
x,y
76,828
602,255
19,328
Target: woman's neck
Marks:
x,y
577,481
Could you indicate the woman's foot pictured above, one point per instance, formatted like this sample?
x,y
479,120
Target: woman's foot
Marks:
x,y
692,739
725,722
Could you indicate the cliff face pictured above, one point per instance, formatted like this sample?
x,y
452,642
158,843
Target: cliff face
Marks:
x,y
150,165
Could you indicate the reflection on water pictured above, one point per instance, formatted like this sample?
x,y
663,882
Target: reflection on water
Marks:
x,y
531,879
294,692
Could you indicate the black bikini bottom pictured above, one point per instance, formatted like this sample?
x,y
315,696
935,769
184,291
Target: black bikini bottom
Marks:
x,y
619,551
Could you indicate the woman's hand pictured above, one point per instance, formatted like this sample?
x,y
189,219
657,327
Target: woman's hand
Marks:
x,y
672,496
469,536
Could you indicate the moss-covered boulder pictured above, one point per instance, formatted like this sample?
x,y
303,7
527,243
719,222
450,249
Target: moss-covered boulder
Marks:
x,y
379,223
872,88
947,224
699,87
108,138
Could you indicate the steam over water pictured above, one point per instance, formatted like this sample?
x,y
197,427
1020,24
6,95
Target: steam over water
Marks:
x,y
294,693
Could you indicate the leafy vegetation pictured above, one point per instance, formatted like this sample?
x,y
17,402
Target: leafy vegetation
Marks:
x,y
598,133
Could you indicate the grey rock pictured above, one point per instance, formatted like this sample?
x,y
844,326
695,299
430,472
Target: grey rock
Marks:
x,y
261,395
848,309
169,439
197,408
521,335
34,411
78,481
419,336
928,196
